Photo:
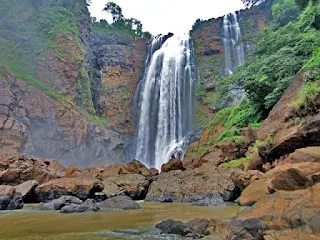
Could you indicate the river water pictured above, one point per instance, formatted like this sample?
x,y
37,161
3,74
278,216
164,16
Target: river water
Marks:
x,y
28,224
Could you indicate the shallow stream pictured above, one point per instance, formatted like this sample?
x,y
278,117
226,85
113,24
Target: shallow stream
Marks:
x,y
29,224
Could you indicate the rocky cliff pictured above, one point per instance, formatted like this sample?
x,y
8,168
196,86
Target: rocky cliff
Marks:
x,y
208,37
66,90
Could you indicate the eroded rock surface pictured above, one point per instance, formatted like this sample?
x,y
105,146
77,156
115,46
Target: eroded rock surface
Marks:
x,y
192,185
77,187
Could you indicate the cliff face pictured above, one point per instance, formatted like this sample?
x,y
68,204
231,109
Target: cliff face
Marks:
x,y
208,37
118,62
208,40
49,104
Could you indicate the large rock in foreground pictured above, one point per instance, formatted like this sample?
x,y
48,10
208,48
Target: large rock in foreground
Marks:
x,y
79,187
289,177
195,228
10,199
192,185
282,215
119,203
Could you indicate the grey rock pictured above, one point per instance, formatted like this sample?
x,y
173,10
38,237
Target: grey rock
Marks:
x,y
173,227
10,199
210,202
59,203
119,203
74,208
27,191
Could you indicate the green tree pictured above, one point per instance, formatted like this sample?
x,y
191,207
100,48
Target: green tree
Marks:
x,y
284,11
115,10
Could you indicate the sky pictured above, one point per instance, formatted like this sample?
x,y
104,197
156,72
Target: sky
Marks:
x,y
163,16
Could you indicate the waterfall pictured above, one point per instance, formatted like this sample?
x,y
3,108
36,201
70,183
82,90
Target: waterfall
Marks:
x,y
165,101
233,48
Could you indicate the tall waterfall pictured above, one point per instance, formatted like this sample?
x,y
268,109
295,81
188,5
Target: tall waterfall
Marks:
x,y
165,101
233,49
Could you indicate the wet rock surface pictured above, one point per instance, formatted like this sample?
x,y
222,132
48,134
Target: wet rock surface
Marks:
x,y
10,199
59,203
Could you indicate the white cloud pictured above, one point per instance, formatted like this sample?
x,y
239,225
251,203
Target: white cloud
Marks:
x,y
163,16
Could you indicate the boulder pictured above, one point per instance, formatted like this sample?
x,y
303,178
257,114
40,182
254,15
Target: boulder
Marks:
x,y
58,204
79,187
111,189
221,153
17,169
173,227
292,214
173,164
135,167
309,154
73,208
192,185
134,185
289,177
10,199
119,203
243,179
27,191
154,172
196,228
89,205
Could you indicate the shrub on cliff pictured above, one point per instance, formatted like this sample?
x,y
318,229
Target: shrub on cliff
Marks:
x,y
277,57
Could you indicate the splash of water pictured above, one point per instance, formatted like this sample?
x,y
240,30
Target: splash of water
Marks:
x,y
166,101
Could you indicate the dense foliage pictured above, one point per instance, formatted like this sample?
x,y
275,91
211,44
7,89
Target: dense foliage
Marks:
x,y
290,43
277,57
32,28
131,26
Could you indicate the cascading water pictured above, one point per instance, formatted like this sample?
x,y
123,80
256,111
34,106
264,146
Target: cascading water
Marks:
x,y
166,101
233,51
233,48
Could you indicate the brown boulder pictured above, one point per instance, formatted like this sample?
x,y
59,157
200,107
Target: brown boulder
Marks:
x,y
18,169
288,177
173,164
154,172
78,187
192,185
309,154
72,171
134,167
111,189
243,179
284,213
255,163
133,185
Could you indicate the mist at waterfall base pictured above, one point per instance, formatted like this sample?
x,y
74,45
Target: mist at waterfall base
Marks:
x,y
165,101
